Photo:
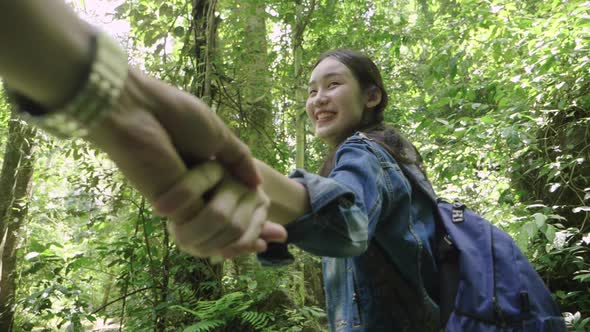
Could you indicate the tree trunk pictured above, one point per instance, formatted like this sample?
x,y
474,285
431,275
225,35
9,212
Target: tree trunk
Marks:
x,y
15,178
204,32
161,321
254,81
300,113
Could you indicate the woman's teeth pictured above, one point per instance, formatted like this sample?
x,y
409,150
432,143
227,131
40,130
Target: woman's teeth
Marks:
x,y
324,116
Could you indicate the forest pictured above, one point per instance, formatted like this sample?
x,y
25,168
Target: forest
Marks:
x,y
494,93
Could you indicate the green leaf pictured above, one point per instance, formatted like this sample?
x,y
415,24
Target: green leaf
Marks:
x,y
581,209
522,240
166,10
205,326
583,21
178,32
530,228
582,275
121,10
31,255
540,219
550,233
487,119
252,285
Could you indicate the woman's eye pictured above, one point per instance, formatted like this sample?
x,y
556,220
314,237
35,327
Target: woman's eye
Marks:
x,y
312,92
333,84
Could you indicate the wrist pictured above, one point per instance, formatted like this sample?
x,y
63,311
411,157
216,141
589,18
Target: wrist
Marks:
x,y
95,98
119,121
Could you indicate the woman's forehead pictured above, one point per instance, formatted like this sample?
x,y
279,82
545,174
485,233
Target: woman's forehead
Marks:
x,y
327,68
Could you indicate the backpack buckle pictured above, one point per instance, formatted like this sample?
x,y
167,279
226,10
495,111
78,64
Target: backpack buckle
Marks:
x,y
458,212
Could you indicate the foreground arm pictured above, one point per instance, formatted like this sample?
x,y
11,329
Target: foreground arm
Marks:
x,y
46,59
152,130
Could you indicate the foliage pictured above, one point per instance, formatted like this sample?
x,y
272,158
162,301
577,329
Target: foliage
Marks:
x,y
222,312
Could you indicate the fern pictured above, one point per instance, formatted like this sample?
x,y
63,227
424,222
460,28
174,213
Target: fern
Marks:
x,y
205,326
221,312
258,320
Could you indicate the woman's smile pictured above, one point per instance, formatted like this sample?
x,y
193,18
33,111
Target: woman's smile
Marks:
x,y
324,117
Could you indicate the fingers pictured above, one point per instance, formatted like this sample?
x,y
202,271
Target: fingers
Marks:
x,y
249,243
272,232
234,213
230,210
237,158
231,223
184,200
212,226
259,233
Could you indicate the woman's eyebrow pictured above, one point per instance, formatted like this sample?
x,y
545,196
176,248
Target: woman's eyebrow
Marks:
x,y
327,76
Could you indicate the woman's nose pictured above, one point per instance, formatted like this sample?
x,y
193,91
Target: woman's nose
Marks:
x,y
320,99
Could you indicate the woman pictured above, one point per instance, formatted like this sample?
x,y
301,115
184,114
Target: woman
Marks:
x,y
375,233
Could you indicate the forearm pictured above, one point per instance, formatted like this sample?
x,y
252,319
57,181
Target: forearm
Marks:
x,y
289,199
45,49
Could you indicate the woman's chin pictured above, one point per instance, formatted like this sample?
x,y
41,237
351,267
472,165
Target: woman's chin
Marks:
x,y
323,133
327,137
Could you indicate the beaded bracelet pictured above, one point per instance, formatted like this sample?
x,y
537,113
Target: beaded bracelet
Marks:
x,y
104,83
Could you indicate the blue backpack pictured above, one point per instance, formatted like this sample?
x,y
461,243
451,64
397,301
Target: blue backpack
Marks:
x,y
486,283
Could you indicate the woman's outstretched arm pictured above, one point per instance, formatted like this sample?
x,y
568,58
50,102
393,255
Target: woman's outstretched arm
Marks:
x,y
289,199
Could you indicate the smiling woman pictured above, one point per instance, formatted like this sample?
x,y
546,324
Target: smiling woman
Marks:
x,y
335,103
374,233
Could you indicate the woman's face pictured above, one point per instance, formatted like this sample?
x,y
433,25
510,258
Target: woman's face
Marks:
x,y
335,103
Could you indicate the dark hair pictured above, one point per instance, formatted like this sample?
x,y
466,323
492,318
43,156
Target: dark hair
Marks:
x,y
368,76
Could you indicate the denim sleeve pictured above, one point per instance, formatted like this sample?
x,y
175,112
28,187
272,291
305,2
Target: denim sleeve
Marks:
x,y
344,206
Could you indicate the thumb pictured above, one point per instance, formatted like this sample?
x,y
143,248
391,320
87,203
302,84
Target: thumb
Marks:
x,y
237,158
273,232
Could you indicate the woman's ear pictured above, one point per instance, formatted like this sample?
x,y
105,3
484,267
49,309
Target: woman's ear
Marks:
x,y
373,97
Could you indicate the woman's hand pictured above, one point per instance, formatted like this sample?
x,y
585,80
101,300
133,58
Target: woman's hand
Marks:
x,y
231,222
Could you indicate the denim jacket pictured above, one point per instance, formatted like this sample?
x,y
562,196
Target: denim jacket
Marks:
x,y
376,237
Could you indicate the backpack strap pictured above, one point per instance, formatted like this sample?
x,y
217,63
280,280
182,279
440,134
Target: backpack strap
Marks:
x,y
420,182
412,173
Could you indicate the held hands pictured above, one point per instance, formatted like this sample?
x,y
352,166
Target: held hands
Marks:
x,y
153,131
152,134
156,129
230,223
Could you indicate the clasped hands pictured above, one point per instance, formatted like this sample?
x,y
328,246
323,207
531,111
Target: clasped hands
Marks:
x,y
210,214
154,132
